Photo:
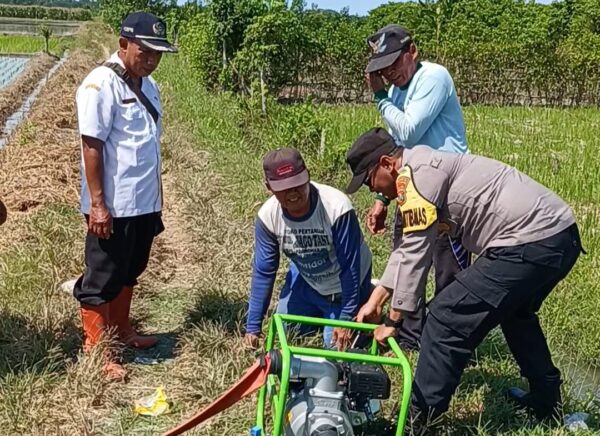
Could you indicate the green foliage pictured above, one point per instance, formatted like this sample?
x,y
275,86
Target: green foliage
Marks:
x,y
232,18
41,12
87,4
300,126
498,51
201,48
274,44
114,11
339,54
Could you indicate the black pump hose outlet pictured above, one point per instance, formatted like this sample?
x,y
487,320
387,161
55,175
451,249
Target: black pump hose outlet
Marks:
x,y
276,363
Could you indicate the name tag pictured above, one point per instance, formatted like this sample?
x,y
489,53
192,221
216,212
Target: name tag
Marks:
x,y
416,211
129,100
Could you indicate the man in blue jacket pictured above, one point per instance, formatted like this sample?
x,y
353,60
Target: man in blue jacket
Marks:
x,y
316,227
419,108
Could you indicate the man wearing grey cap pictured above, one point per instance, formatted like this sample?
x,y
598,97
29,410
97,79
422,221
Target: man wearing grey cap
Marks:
x,y
120,122
527,242
316,227
419,108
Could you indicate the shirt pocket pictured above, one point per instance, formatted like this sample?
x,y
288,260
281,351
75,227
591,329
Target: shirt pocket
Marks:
x,y
133,112
135,124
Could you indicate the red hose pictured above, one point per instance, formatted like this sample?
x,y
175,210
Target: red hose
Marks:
x,y
255,377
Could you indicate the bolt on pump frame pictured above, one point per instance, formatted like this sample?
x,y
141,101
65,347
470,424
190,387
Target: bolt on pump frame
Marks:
x,y
279,397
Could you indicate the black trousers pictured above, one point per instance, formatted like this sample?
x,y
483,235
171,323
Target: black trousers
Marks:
x,y
506,287
111,264
449,258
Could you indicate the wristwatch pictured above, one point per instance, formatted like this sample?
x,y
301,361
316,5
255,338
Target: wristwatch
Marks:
x,y
389,322
386,201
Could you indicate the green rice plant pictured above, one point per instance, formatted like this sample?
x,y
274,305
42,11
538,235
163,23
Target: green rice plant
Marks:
x,y
33,44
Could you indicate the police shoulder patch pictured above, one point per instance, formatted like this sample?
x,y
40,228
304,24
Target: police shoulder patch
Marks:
x,y
92,86
418,213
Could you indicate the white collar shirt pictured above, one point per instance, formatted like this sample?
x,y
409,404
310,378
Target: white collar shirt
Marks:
x,y
107,109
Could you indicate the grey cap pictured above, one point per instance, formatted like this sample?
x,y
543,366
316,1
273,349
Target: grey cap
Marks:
x,y
387,44
285,169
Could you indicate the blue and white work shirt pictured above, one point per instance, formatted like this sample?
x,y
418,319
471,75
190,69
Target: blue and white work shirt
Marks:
x,y
426,112
326,246
107,109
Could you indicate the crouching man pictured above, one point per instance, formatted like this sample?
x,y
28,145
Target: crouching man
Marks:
x,y
316,227
527,241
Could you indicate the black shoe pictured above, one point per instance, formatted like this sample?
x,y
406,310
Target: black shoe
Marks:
x,y
544,399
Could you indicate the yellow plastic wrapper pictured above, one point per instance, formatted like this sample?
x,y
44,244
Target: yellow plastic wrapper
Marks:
x,y
153,405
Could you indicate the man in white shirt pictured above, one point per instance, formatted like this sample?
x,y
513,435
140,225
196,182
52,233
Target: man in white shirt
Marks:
x,y
119,114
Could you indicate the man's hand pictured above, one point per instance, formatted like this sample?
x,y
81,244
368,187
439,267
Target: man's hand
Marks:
x,y
382,333
252,340
375,81
100,222
376,218
370,312
341,338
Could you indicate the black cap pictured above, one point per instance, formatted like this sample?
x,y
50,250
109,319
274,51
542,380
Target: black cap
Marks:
x,y
147,30
364,155
387,45
285,169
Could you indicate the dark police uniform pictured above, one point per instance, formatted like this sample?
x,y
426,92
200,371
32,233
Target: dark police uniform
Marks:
x,y
527,241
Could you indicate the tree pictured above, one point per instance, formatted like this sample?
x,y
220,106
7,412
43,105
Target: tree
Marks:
x,y
46,32
114,11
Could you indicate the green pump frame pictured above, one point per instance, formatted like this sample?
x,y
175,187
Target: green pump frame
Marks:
x,y
278,398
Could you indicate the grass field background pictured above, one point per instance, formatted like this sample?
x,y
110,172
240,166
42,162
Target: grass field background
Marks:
x,y
195,291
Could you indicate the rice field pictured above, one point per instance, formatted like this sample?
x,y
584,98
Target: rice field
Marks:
x,y
30,26
32,44
10,68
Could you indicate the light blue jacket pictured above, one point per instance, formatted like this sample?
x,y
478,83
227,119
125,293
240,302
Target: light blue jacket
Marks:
x,y
427,112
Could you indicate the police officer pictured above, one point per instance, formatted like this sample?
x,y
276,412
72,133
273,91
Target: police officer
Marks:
x,y
119,114
420,107
527,241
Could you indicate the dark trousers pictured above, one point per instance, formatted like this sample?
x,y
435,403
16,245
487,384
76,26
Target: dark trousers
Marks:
x,y
506,287
111,264
449,258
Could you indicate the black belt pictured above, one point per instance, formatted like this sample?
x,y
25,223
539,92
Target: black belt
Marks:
x,y
334,298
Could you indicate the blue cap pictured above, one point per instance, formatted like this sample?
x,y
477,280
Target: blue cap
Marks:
x,y
148,30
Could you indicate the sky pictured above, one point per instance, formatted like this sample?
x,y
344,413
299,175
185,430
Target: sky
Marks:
x,y
358,7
